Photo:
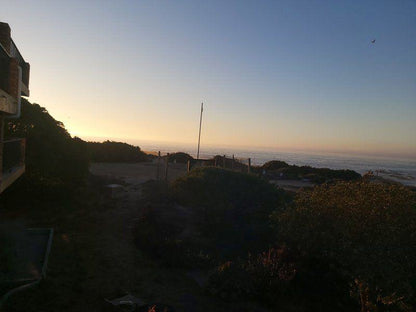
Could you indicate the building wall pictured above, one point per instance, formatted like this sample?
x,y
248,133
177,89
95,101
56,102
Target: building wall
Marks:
x,y
5,36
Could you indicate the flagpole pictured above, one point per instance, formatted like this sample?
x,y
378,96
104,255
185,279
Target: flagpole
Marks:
x,y
200,124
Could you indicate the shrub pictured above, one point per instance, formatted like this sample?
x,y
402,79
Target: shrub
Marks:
x,y
277,168
230,281
110,151
265,277
180,157
234,208
159,231
275,164
366,229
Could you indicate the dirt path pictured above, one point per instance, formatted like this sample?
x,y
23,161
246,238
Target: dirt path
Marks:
x,y
127,270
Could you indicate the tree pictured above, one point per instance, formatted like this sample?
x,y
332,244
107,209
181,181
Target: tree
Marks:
x,y
110,151
52,156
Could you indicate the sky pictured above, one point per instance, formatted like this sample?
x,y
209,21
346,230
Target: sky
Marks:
x,y
279,75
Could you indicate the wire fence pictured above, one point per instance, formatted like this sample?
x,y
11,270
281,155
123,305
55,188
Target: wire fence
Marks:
x,y
167,161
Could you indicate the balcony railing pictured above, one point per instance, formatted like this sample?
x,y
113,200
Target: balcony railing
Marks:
x,y
12,162
6,67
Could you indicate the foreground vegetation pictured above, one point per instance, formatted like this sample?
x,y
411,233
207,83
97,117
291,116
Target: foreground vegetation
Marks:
x,y
343,246
364,230
110,151
53,157
282,170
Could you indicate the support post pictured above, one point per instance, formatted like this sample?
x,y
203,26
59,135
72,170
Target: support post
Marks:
x,y
188,166
232,164
158,167
200,125
166,167
223,161
249,165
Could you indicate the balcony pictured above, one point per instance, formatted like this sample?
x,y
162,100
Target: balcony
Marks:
x,y
14,73
24,79
12,161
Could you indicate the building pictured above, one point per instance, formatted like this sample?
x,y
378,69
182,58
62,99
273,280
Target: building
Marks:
x,y
14,83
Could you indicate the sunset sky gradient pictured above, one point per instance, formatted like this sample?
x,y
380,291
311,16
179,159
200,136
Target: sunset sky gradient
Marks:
x,y
293,75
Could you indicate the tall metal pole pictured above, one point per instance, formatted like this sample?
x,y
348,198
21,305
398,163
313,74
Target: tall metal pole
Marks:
x,y
200,124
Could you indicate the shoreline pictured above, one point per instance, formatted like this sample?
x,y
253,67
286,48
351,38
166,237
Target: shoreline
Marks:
x,y
394,170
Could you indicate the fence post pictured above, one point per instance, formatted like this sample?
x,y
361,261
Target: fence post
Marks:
x,y
223,162
232,164
249,165
158,167
166,167
215,161
188,166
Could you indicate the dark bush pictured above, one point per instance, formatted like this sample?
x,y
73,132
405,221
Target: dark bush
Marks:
x,y
275,164
52,156
230,281
159,231
266,277
365,229
234,207
180,157
110,151
282,170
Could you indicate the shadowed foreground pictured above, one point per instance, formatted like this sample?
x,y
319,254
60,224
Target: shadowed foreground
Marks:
x,y
93,256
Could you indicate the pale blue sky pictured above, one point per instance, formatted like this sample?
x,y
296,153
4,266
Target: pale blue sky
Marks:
x,y
277,74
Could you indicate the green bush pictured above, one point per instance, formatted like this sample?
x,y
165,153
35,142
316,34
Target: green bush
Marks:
x,y
365,229
234,208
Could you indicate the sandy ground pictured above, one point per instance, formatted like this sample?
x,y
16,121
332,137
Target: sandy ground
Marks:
x,y
136,173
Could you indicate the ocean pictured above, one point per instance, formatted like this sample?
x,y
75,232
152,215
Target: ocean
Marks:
x,y
400,170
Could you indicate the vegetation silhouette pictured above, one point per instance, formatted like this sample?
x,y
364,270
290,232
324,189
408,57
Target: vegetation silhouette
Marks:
x,y
53,157
282,170
110,151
